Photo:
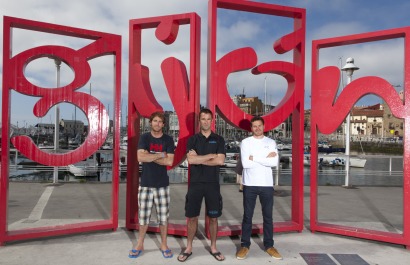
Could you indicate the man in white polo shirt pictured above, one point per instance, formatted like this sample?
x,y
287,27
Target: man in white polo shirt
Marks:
x,y
259,154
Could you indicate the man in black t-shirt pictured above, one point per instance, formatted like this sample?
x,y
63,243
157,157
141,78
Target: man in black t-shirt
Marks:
x,y
205,153
155,152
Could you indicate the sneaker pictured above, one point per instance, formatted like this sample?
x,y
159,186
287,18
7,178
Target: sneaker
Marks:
x,y
273,252
242,253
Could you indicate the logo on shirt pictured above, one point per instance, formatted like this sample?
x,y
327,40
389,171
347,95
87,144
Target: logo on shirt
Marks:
x,y
155,147
212,142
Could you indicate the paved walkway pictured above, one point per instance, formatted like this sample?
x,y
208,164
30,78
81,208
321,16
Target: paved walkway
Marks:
x,y
39,204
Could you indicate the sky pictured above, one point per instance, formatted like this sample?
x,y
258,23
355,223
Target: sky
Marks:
x,y
325,19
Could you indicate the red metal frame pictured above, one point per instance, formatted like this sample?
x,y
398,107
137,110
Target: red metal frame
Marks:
x,y
186,102
325,83
14,79
293,103
184,95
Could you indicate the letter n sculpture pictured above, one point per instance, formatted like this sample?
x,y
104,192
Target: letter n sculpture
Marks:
x,y
329,110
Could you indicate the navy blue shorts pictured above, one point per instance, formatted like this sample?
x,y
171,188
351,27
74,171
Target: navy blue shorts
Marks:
x,y
213,199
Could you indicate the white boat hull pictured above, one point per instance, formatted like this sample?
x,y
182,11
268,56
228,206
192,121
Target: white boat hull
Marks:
x,y
80,171
333,160
85,168
306,160
340,160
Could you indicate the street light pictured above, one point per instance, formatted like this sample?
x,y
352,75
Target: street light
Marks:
x,y
349,68
264,106
57,117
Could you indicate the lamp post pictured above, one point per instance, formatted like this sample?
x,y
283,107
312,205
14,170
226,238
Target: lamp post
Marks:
x,y
56,121
349,68
264,104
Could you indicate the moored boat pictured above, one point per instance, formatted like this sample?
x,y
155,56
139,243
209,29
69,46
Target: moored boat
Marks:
x,y
334,160
87,167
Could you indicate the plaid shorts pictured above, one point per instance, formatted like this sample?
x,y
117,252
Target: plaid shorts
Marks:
x,y
148,196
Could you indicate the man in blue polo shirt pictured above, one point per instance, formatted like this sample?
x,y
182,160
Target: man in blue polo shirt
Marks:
x,y
205,154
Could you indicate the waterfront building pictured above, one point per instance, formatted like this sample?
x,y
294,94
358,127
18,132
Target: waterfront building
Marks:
x,y
368,122
71,127
392,126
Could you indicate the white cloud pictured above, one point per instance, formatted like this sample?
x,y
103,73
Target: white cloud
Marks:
x,y
237,33
337,29
325,19
104,16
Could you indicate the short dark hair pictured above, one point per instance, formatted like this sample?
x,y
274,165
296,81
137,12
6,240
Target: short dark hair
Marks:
x,y
257,118
205,111
158,114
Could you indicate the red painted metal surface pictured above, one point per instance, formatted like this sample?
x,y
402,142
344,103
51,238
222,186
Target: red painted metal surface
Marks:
x,y
184,94
14,79
325,84
246,59
236,230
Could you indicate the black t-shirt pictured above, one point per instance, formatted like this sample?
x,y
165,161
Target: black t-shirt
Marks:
x,y
214,144
154,175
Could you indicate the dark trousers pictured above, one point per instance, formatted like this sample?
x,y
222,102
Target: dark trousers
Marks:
x,y
249,200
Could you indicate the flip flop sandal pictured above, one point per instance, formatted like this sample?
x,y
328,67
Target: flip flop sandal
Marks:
x,y
185,256
217,256
134,253
167,253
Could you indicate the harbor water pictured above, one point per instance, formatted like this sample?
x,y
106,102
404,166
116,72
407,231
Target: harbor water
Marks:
x,y
379,170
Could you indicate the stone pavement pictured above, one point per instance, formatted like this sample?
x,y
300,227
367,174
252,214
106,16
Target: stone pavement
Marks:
x,y
39,204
